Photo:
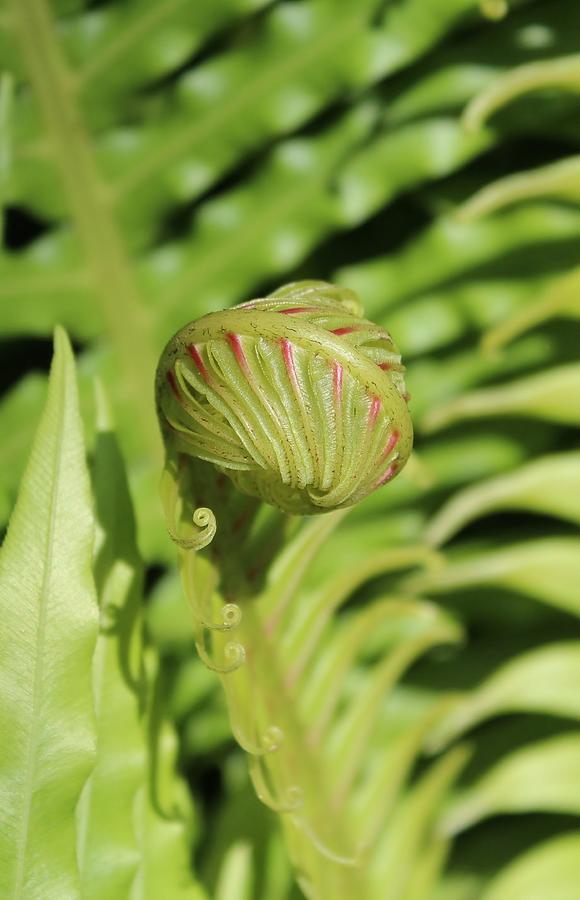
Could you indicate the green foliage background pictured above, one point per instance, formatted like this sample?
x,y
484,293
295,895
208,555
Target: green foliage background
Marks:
x,y
162,159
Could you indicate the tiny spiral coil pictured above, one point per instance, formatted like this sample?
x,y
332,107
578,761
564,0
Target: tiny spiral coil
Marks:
x,y
199,600
295,397
234,657
202,517
269,742
231,618
291,802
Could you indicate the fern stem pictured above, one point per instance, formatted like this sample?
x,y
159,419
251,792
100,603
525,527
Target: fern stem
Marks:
x,y
296,764
127,323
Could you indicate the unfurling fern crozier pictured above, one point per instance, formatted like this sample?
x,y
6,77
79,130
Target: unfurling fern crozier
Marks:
x,y
295,397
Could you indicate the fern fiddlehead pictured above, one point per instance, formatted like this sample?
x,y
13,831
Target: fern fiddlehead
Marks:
x,y
296,400
295,397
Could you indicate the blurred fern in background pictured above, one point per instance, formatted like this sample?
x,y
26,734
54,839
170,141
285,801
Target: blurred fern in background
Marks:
x,y
159,160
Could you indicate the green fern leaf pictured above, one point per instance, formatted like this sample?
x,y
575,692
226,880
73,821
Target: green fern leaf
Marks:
x,y
541,680
551,868
48,603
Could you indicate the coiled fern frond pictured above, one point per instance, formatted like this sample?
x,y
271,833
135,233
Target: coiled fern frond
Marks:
x,y
295,397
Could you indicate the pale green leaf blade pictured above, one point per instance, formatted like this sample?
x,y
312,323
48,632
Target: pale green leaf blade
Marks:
x,y
550,870
20,409
235,880
559,179
536,778
390,619
449,249
49,628
162,819
434,383
348,742
543,680
459,71
547,569
121,47
560,299
563,73
296,64
257,229
107,848
399,159
390,770
278,78
550,395
412,834
550,485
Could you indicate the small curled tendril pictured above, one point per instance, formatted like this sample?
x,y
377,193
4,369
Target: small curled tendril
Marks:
x,y
234,657
204,519
290,803
231,618
292,800
231,614
270,742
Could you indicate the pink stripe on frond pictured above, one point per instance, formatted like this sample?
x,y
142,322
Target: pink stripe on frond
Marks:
x,y
196,357
337,377
346,330
236,345
391,443
390,473
297,309
374,411
288,354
